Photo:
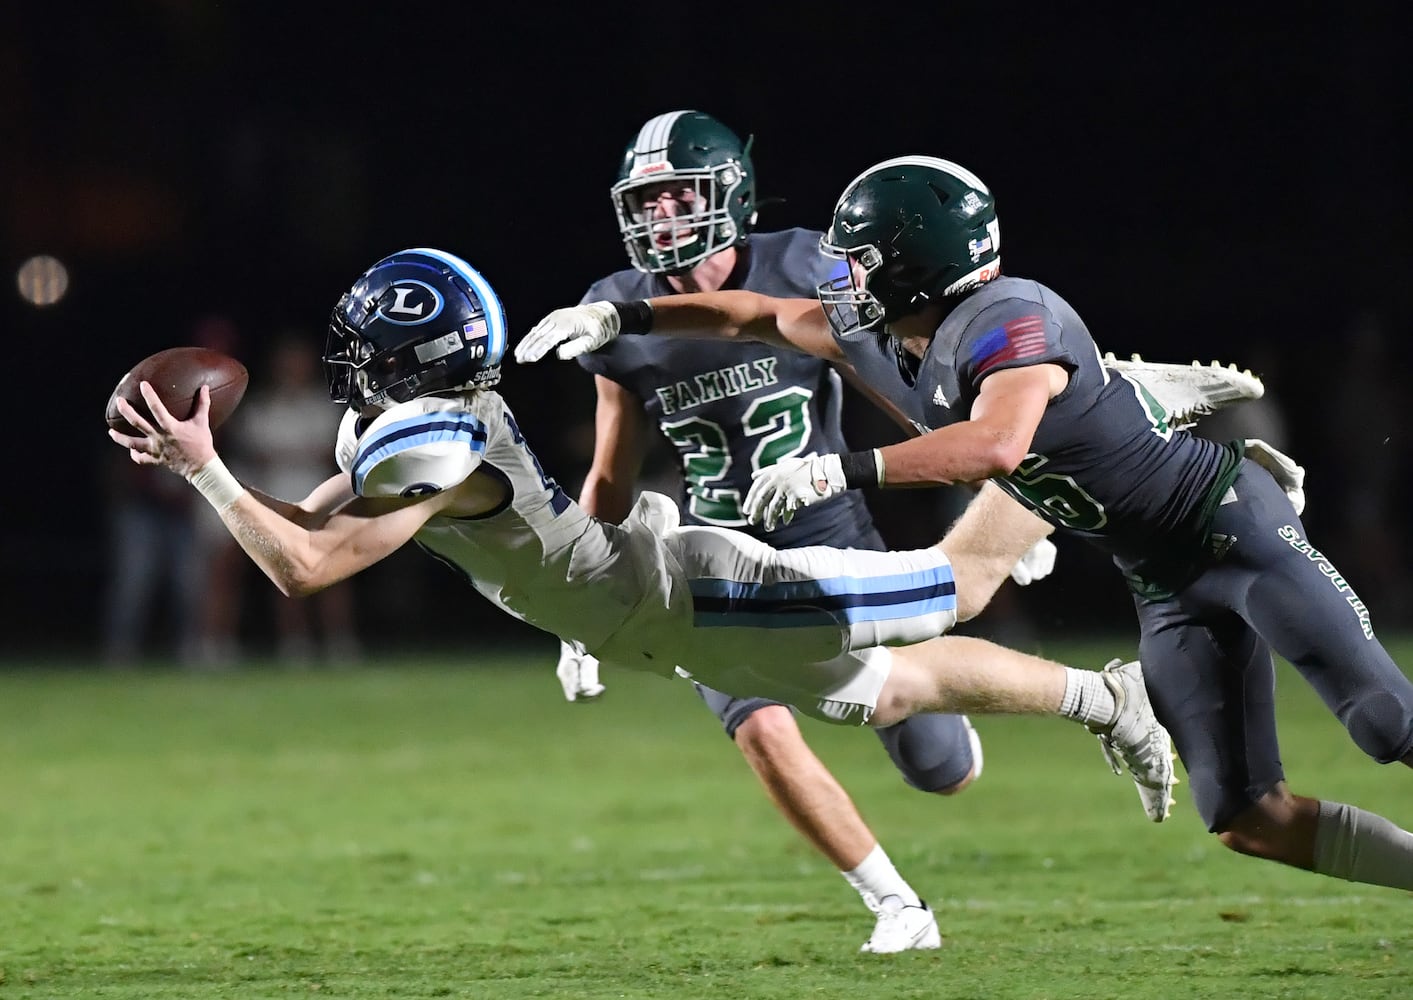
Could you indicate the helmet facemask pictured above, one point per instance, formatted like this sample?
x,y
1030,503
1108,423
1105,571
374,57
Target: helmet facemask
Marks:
x,y
849,305
673,236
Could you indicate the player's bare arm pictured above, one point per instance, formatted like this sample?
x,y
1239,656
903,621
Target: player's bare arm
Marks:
x,y
301,552
795,324
620,442
993,442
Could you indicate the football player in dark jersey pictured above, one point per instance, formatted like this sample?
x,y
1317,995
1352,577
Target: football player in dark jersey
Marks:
x,y
1010,383
686,208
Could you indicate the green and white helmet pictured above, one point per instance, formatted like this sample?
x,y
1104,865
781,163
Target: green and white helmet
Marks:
x,y
913,230
706,170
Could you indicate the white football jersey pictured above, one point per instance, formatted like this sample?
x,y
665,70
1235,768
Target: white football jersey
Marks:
x,y
802,626
540,556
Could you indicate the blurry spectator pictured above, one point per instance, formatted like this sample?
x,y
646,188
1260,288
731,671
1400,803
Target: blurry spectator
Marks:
x,y
153,553
281,433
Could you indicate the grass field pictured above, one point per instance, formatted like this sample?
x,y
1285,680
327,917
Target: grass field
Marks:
x,y
424,829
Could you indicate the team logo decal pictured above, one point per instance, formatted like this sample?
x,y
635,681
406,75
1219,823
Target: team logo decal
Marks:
x,y
410,302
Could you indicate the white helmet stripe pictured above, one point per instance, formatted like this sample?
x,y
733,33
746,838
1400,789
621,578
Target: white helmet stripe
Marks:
x,y
495,314
946,166
651,144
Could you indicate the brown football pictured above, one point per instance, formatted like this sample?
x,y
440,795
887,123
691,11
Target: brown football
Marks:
x,y
178,374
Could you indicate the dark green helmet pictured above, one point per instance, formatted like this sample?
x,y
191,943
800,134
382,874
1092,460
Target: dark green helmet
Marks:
x,y
707,172
913,230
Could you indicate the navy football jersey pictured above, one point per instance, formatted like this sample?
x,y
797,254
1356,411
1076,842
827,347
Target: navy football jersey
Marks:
x,y
1104,462
731,408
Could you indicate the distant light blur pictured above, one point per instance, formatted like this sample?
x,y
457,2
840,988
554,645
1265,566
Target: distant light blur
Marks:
x,y
42,280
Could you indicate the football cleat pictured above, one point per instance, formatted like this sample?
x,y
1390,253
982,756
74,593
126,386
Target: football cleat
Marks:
x,y
1188,392
1136,741
902,927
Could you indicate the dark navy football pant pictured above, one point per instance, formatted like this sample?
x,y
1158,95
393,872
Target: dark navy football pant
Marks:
x,y
1207,654
931,751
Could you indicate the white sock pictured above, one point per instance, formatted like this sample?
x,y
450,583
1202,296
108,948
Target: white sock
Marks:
x,y
875,879
1361,847
1087,698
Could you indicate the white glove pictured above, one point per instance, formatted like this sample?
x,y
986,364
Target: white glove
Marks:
x,y
578,673
778,490
1288,475
573,331
1037,563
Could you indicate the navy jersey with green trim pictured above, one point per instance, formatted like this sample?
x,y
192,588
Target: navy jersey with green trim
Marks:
x,y
1104,461
731,408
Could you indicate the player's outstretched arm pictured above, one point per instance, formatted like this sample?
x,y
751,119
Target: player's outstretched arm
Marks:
x,y
798,324
314,509
300,554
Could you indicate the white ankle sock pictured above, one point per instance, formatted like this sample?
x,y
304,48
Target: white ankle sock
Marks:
x,y
1361,847
1087,698
876,878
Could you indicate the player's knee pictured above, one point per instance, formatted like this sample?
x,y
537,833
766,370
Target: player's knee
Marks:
x,y
1381,724
956,787
766,728
976,580
934,753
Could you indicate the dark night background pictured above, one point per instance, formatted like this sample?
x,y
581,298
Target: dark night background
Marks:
x,y
1199,185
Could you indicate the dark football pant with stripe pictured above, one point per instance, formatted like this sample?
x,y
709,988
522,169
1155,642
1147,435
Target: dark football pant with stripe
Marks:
x,y
1207,654
932,751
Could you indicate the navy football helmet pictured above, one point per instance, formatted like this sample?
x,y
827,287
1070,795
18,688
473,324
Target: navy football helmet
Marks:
x,y
419,321
912,230
706,169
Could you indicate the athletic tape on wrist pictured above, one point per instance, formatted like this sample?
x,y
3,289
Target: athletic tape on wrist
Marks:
x,y
215,482
862,468
633,317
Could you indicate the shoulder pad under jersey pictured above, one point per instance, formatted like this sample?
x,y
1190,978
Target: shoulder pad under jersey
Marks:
x,y
347,442
422,446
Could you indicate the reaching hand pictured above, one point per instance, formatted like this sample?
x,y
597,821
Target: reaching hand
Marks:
x,y
1288,475
778,490
1037,563
573,331
183,446
578,673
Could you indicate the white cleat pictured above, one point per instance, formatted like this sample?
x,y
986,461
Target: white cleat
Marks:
x,y
1137,742
1188,392
902,927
